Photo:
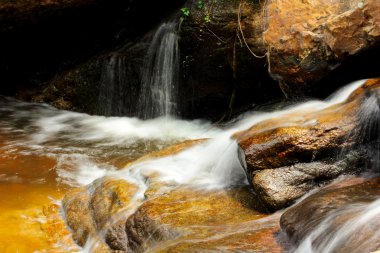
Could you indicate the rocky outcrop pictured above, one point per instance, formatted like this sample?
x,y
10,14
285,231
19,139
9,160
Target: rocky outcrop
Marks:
x,y
303,42
217,66
283,156
168,221
329,210
308,39
185,214
170,217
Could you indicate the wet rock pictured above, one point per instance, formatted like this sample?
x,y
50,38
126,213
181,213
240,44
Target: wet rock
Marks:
x,y
281,186
331,209
116,237
286,141
175,220
144,231
270,147
98,208
78,218
308,39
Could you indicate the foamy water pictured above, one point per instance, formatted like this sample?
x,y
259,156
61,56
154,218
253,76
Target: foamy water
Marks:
x,y
79,142
211,164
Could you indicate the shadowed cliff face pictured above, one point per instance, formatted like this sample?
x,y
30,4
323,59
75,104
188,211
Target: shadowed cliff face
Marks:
x,y
57,52
39,38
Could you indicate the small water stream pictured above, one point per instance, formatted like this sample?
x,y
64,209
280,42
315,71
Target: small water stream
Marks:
x,y
45,151
160,74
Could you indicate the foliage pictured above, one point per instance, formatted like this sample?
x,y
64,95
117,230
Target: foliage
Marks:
x,y
185,11
200,6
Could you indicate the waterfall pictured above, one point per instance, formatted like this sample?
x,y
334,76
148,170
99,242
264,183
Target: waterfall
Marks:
x,y
112,80
160,74
157,81
117,91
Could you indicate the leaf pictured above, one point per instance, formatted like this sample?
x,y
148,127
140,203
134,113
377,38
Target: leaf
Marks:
x,y
185,11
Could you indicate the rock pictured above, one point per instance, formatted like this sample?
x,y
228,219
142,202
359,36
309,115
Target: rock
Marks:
x,y
116,237
86,87
144,231
332,209
100,207
175,220
281,186
217,67
104,206
110,197
308,39
78,216
270,147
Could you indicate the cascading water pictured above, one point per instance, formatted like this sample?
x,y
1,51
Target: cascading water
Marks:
x,y
82,148
362,215
111,90
117,92
160,74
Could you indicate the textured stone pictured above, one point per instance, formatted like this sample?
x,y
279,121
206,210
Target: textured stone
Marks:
x,y
308,39
280,187
99,207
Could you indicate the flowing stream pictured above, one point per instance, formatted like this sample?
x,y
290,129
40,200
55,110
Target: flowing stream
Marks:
x,y
45,151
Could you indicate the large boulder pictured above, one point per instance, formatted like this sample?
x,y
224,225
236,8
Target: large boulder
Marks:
x,y
169,220
336,220
281,186
287,156
308,39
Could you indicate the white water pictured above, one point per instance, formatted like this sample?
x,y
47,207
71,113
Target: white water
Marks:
x,y
321,242
160,73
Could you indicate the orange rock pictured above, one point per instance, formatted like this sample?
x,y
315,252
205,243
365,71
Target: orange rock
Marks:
x,y
307,39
